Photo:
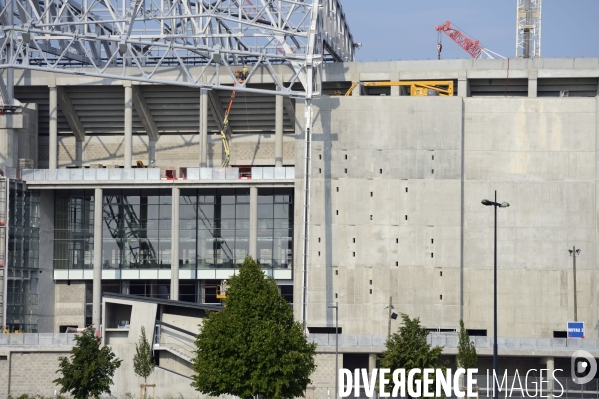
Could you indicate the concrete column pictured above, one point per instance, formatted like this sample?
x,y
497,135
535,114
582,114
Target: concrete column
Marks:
x,y
128,125
97,282
9,142
53,129
395,90
175,244
279,132
203,128
254,222
532,83
357,91
371,362
463,86
151,152
79,153
550,366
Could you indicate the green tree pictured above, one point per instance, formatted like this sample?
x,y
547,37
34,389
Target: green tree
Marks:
x,y
254,346
407,349
467,357
143,361
90,369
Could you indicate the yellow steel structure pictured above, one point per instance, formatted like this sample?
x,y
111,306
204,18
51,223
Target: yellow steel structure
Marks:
x,y
417,88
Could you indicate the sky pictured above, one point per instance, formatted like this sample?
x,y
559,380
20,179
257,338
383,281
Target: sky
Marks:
x,y
405,29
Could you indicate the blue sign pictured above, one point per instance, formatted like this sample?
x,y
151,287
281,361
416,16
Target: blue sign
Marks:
x,y
576,329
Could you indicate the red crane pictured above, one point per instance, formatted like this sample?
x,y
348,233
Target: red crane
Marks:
x,y
472,47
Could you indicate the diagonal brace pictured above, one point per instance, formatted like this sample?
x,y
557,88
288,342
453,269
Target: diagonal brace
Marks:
x,y
217,111
144,113
70,114
289,106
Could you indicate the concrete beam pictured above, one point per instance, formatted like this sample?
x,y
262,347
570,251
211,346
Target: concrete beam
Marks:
x,y
289,106
217,110
144,113
70,114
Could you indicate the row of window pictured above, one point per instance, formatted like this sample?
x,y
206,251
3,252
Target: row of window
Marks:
x,y
136,228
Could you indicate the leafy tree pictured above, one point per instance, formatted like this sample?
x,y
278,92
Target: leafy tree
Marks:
x,y
467,357
143,361
254,346
408,349
90,369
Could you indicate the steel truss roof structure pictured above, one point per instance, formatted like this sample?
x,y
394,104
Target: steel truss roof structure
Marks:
x,y
205,41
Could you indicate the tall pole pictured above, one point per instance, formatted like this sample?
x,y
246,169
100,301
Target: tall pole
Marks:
x,y
336,307
574,270
495,388
336,349
389,320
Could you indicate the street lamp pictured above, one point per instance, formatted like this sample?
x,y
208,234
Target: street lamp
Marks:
x,y
574,253
496,205
336,307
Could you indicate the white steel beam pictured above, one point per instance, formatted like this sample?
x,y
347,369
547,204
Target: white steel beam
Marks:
x,y
206,42
65,104
147,120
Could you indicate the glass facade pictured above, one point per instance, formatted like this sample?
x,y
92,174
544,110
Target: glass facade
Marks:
x,y
136,229
23,258
73,229
214,228
275,227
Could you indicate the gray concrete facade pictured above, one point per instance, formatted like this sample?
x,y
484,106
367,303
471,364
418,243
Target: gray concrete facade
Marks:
x,y
395,192
389,214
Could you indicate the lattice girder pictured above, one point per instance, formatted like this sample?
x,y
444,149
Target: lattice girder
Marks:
x,y
206,41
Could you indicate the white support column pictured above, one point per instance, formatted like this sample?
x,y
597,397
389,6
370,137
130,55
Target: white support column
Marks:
x,y
53,128
151,152
175,244
279,131
128,162
532,83
550,366
395,90
78,153
203,128
463,86
254,222
97,281
371,362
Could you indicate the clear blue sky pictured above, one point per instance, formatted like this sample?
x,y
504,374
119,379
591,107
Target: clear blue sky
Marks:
x,y
404,29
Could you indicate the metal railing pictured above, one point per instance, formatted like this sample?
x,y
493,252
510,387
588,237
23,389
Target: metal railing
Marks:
x,y
450,341
154,174
37,339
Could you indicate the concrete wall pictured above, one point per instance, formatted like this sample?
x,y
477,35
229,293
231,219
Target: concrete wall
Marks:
x,y
27,371
540,155
390,202
69,304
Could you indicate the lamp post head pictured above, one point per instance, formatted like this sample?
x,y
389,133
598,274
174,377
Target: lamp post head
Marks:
x,y
504,205
486,202
576,253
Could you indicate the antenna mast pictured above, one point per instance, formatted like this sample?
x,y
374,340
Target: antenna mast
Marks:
x,y
528,29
